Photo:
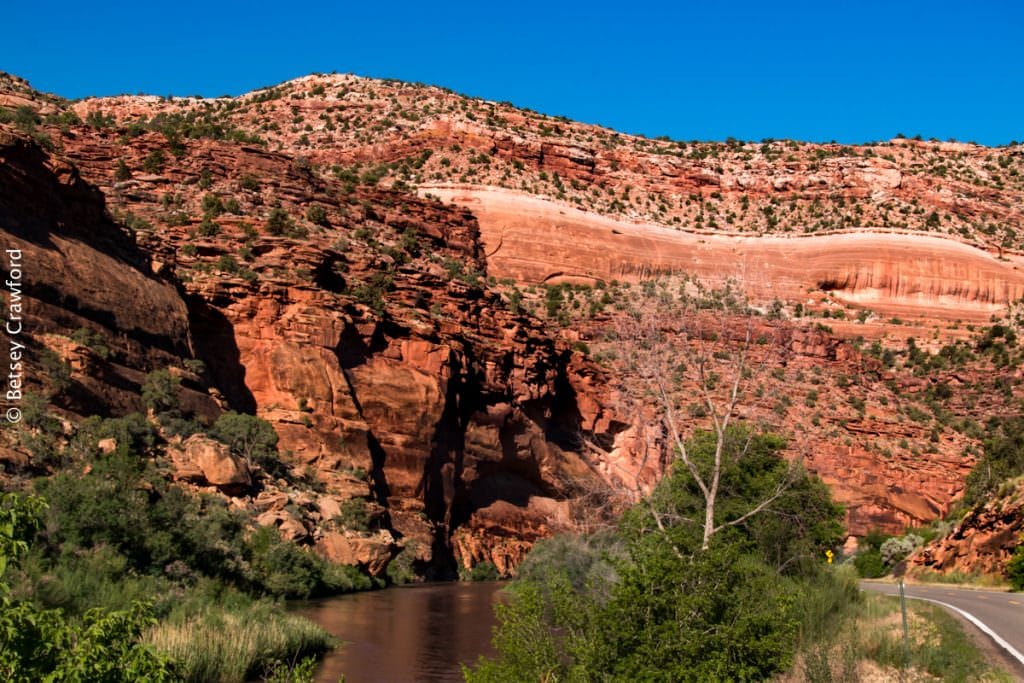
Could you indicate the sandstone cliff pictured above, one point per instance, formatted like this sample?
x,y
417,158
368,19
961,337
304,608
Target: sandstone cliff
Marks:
x,y
417,390
292,239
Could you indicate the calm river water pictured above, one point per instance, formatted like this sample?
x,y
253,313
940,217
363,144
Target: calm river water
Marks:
x,y
409,634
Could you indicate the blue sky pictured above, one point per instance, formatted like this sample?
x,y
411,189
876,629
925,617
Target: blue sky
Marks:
x,y
850,71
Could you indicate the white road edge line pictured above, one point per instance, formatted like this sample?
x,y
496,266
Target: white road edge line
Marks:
x,y
979,623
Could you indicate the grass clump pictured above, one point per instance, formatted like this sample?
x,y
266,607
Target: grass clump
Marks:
x,y
868,645
236,643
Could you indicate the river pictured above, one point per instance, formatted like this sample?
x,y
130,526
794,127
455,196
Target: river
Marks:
x,y
408,634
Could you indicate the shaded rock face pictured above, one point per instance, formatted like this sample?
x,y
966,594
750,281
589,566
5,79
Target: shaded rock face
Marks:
x,y
79,265
443,419
502,533
982,543
80,269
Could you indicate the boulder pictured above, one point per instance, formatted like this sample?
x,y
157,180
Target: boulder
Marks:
x,y
203,460
290,528
371,553
271,500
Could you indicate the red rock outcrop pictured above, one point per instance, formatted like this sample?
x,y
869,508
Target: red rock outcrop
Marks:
x,y
981,543
422,388
373,553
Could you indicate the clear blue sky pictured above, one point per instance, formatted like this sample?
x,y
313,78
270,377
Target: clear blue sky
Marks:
x,y
849,70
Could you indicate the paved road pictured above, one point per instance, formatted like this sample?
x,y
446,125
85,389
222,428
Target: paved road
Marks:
x,y
998,615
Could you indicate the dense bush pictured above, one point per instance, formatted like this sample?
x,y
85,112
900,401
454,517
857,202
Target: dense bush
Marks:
x,y
160,392
868,561
317,215
39,644
141,526
250,437
895,549
279,222
1015,569
154,162
646,603
481,571
870,565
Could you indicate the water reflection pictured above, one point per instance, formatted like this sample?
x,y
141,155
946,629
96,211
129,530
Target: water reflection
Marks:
x,y
413,634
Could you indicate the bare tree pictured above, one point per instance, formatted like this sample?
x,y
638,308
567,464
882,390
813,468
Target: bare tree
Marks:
x,y
688,356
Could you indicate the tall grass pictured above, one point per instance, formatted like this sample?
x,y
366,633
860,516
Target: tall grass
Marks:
x,y
938,644
826,602
232,645
866,642
958,577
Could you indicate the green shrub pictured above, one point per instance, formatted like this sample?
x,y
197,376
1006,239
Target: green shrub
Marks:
x,y
119,503
870,565
895,549
121,171
279,222
133,433
160,392
249,437
317,215
92,340
248,182
481,571
155,161
54,368
1015,569
208,227
401,569
38,644
227,263
212,205
353,515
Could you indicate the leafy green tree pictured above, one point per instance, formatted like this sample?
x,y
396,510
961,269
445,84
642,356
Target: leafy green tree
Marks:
x,y
42,645
791,533
248,436
869,564
649,602
160,392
